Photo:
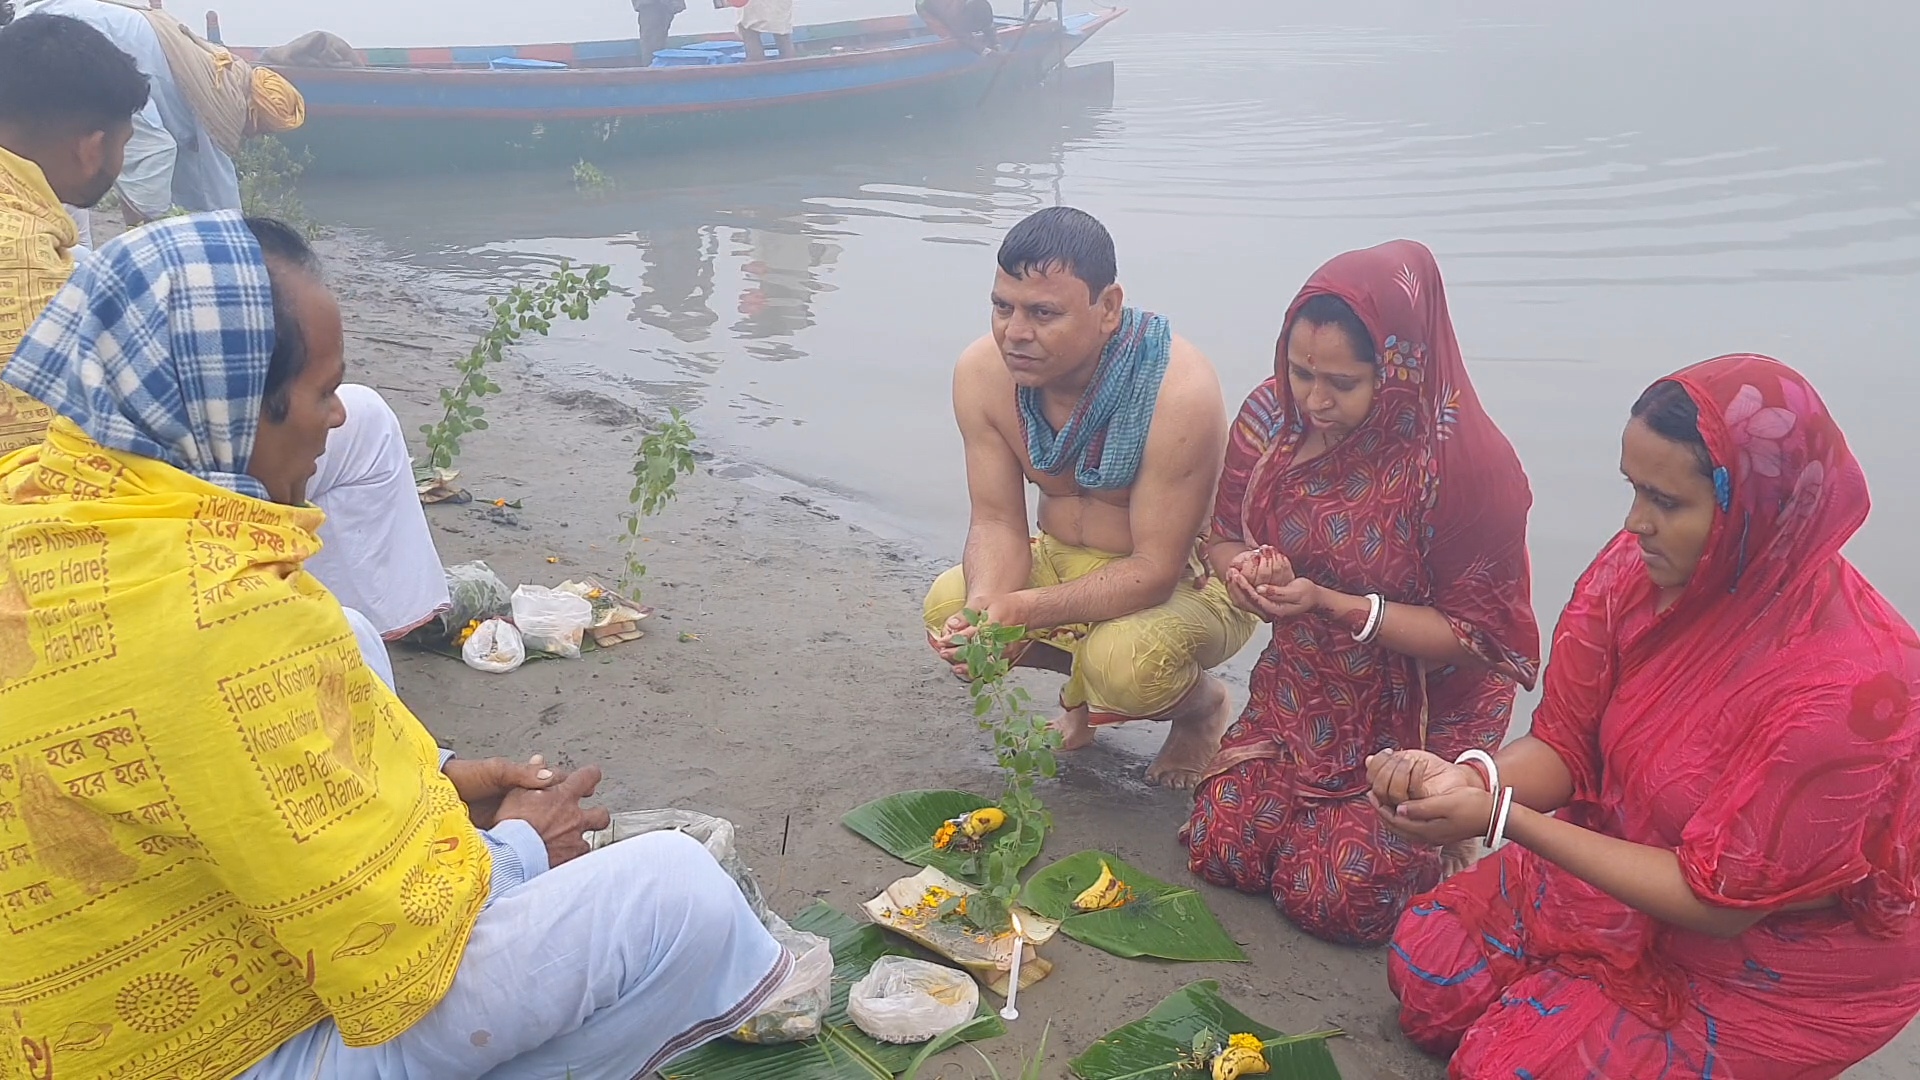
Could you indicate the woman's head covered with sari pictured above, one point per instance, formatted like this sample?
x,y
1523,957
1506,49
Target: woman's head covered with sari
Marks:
x,y
1725,683
206,342
197,740
1421,431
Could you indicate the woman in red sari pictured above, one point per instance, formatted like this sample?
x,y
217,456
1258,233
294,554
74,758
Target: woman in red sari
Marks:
x,y
1375,515
1729,738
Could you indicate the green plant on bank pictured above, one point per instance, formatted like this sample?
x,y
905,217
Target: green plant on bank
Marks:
x,y
1024,743
269,174
588,177
664,456
525,309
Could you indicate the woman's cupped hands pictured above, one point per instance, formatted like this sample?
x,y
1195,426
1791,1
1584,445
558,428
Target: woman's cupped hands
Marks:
x,y
1260,581
1426,798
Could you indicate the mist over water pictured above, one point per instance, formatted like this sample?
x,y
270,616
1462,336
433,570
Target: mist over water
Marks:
x,y
1613,191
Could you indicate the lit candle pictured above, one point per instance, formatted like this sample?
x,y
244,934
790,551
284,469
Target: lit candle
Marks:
x,y
1013,978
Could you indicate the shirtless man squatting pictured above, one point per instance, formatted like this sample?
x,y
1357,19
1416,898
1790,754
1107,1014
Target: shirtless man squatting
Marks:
x,y
1122,427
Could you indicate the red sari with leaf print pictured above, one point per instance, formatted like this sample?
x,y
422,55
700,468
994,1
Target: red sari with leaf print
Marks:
x,y
1764,729
1426,504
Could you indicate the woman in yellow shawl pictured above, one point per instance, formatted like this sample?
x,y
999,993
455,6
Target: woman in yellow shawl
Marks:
x,y
226,849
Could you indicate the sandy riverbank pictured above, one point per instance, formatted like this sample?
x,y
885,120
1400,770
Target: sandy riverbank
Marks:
x,y
807,692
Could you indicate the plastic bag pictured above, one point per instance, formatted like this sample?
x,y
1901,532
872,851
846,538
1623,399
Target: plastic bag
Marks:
x,y
795,1011
551,621
475,593
715,834
495,646
903,1000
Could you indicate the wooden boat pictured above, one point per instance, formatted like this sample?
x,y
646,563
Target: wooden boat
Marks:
x,y
410,109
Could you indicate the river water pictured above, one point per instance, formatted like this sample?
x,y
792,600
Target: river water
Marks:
x,y
1613,191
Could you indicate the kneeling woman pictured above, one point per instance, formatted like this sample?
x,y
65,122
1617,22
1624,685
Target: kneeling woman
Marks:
x,y
1728,735
1367,467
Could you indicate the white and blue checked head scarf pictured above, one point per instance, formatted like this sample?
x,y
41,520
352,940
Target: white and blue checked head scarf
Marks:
x,y
159,346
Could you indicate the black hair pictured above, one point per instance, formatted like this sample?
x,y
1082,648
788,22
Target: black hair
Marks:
x,y
6,12
287,252
1670,411
1326,309
1062,238
59,74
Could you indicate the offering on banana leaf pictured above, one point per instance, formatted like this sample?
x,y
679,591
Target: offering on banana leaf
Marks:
x,y
1105,894
927,909
968,833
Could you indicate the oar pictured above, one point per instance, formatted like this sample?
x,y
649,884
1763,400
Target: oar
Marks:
x,y
1033,12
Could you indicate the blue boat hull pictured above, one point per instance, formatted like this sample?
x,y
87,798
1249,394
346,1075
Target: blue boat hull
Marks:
x,y
383,119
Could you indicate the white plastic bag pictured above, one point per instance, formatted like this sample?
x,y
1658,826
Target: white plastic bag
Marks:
x,y
494,646
715,834
551,621
795,1011
903,1000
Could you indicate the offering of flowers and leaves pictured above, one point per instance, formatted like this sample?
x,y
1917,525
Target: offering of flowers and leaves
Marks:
x,y
937,912
1197,1035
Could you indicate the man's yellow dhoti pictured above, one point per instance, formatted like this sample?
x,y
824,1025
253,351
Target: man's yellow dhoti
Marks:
x,y
1136,667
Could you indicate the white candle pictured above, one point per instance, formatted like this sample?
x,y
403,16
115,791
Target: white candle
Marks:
x,y
1013,978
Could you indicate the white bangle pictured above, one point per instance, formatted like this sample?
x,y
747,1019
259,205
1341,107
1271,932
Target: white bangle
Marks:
x,y
1485,759
1502,807
1376,614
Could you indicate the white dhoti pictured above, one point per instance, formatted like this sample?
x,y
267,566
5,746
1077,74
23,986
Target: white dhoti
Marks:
x,y
768,16
603,969
377,555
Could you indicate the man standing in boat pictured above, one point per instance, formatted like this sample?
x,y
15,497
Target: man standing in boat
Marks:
x,y
656,24
1122,427
759,17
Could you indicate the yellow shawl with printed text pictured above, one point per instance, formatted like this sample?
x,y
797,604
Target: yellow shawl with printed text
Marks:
x,y
217,826
36,258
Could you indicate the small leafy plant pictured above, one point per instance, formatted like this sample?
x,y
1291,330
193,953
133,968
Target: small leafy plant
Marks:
x,y
588,177
269,175
525,309
664,456
1024,743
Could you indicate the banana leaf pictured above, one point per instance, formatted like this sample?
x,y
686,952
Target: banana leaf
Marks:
x,y
843,1051
1166,921
1156,1047
903,826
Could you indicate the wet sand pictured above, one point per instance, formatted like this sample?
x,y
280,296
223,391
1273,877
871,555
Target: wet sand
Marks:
x,y
804,689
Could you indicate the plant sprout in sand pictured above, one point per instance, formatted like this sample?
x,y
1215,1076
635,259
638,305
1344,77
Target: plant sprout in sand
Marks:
x,y
525,309
664,456
1023,742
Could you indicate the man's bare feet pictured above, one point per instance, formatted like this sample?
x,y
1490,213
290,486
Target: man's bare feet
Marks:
x,y
1193,736
1075,728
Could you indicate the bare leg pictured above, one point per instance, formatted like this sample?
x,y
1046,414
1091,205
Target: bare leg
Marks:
x,y
785,41
1075,727
756,50
1195,727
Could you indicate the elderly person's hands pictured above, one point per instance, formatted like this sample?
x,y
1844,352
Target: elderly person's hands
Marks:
x,y
556,814
482,784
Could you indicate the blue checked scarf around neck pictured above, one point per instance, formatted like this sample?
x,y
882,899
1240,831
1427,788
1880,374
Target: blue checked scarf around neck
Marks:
x,y
159,346
1106,437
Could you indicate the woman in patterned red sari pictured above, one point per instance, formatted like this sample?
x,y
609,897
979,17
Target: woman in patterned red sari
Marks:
x,y
1729,744
1375,515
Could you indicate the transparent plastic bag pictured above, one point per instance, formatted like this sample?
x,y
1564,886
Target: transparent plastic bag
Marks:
x,y
495,646
903,1000
795,1011
715,834
474,591
551,621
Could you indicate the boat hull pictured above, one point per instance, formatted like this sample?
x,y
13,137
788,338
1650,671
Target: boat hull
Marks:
x,y
381,119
